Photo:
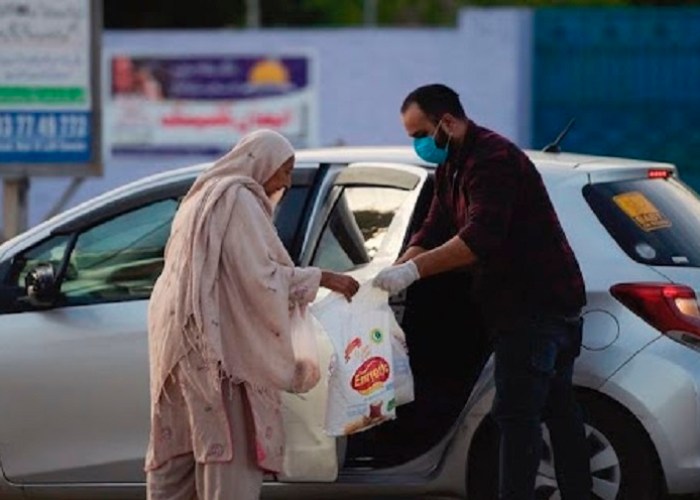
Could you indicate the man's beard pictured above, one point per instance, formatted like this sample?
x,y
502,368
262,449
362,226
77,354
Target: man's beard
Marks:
x,y
441,138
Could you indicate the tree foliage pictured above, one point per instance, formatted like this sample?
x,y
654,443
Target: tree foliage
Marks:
x,y
207,14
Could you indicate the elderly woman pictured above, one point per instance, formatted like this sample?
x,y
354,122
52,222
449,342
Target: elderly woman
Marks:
x,y
219,330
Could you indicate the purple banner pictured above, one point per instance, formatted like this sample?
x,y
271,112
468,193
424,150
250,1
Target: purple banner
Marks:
x,y
203,78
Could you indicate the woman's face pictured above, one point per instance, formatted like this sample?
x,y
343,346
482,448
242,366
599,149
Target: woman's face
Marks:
x,y
281,179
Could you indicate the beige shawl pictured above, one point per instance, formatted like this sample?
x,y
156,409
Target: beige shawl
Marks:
x,y
228,282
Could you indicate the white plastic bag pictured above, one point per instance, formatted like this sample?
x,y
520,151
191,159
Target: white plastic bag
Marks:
x,y
309,453
307,371
361,385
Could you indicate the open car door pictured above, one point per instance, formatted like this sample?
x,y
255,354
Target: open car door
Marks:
x,y
358,225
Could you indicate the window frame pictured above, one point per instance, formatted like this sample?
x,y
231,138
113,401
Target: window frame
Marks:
x,y
304,175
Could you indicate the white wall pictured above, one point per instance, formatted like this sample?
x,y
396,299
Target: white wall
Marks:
x,y
363,76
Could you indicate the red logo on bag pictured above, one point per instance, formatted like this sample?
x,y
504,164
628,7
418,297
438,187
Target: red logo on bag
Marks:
x,y
371,375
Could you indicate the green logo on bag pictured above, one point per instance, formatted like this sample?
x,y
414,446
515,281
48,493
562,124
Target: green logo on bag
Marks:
x,y
377,336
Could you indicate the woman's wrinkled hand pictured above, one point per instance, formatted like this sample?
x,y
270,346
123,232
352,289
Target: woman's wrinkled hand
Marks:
x,y
341,283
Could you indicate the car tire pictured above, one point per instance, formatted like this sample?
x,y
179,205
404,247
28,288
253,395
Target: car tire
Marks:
x,y
609,424
630,469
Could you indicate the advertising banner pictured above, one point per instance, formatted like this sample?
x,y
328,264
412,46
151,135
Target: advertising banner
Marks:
x,y
202,104
46,101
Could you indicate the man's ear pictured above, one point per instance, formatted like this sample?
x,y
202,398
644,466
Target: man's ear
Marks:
x,y
449,121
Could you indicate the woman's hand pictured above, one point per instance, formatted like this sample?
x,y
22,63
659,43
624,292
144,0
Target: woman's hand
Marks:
x,y
345,285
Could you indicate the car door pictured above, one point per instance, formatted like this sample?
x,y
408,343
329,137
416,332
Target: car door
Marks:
x,y
360,222
364,218
74,393
74,376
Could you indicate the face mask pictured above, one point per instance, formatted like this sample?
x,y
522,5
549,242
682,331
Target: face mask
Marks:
x,y
427,149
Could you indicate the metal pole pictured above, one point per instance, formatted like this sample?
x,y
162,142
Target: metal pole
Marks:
x,y
252,14
14,210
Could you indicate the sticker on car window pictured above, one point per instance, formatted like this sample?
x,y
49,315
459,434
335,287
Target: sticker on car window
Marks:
x,y
642,211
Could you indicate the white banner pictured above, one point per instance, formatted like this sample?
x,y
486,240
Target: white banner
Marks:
x,y
202,104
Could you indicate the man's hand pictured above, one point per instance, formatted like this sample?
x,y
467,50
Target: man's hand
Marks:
x,y
395,278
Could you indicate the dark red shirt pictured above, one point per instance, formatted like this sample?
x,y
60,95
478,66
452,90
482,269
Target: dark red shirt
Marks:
x,y
492,196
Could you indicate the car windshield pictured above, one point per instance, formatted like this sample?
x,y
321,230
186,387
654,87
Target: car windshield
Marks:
x,y
655,221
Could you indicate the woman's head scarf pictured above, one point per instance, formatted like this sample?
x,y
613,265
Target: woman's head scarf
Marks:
x,y
257,156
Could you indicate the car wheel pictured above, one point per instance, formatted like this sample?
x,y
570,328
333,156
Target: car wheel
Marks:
x,y
623,462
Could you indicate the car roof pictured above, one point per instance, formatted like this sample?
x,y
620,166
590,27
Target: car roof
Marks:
x,y
549,164
545,161
591,163
406,154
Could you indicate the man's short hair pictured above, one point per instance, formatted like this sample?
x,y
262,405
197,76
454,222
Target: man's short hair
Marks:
x,y
435,100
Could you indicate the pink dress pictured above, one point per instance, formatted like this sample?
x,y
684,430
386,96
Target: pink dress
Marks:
x,y
219,314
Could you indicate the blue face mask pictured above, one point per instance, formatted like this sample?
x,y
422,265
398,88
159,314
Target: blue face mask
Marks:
x,y
427,149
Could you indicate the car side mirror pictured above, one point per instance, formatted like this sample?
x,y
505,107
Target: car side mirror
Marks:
x,y
41,286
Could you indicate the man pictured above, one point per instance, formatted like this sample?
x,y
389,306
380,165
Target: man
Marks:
x,y
491,212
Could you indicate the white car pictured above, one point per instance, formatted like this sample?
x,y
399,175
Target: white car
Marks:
x,y
74,408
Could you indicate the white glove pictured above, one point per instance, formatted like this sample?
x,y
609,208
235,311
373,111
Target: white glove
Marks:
x,y
393,279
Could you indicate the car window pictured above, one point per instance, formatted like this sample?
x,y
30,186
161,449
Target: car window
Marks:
x,y
289,214
356,226
119,259
655,221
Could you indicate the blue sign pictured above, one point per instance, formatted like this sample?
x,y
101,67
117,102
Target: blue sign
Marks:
x,y
45,136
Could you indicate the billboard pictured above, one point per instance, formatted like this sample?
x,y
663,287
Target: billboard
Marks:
x,y
49,69
202,104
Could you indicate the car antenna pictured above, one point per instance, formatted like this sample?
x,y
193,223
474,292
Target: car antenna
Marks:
x,y
553,147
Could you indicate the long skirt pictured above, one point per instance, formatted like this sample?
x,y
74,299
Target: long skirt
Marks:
x,y
182,478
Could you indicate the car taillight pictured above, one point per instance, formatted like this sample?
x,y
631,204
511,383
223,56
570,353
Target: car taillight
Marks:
x,y
659,173
671,309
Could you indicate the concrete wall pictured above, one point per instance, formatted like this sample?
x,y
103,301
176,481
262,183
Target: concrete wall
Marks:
x,y
363,75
